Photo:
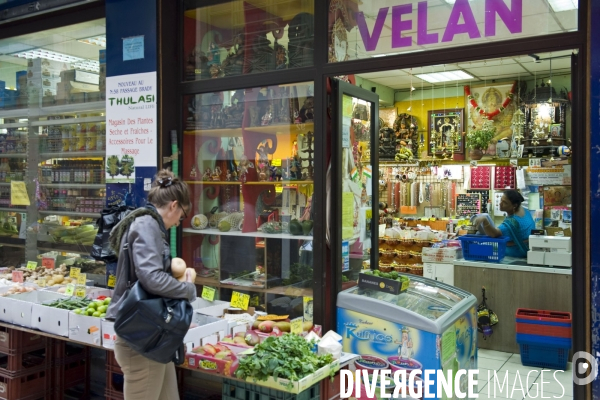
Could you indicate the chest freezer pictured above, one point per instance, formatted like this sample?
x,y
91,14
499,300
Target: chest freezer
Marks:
x,y
430,326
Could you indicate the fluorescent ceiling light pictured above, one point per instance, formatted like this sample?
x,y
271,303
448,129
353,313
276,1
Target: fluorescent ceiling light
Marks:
x,y
50,55
446,76
95,40
564,5
77,62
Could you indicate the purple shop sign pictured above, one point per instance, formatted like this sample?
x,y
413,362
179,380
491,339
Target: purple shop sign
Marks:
x,y
461,20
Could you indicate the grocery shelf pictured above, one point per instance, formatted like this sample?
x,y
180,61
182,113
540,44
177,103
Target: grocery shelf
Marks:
x,y
208,281
283,129
70,214
16,113
73,108
65,247
13,155
257,234
12,242
12,209
71,185
14,125
68,121
71,154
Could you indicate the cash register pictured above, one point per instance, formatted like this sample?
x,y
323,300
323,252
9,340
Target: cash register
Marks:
x,y
553,251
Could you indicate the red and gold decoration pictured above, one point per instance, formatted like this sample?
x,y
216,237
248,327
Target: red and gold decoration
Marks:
x,y
491,114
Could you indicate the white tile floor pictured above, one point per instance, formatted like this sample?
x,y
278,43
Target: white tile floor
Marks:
x,y
556,384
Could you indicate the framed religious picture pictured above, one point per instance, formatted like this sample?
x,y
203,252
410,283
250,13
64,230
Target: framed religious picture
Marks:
x,y
494,102
556,130
445,131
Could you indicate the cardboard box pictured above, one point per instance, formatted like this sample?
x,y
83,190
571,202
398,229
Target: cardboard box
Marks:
x,y
85,329
213,365
207,325
286,385
535,257
441,255
108,334
558,259
555,244
22,307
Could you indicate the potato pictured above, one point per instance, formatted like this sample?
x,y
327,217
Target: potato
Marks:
x,y
178,267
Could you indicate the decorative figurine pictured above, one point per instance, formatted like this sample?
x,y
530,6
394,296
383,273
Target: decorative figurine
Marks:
x,y
243,167
207,175
307,111
263,165
216,175
214,54
263,56
233,64
193,172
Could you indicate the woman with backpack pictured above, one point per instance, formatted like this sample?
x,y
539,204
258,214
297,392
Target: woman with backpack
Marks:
x,y
145,231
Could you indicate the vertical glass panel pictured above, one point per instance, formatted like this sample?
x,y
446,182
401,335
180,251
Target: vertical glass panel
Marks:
x,y
248,158
381,28
244,37
52,141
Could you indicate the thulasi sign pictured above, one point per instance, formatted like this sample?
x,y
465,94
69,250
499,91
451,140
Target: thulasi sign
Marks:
x,y
462,18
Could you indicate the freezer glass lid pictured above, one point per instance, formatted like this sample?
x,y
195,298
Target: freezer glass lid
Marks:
x,y
423,298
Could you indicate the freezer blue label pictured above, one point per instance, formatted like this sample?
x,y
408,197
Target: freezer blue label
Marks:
x,y
345,256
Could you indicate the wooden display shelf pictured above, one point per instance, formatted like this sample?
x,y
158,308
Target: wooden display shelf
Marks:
x,y
10,241
284,129
207,281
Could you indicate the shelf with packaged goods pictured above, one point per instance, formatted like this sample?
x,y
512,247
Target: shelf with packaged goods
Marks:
x,y
13,155
14,125
12,209
64,247
69,214
10,241
284,129
68,121
72,154
256,234
72,185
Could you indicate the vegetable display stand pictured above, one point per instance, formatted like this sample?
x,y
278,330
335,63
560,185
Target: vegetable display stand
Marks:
x,y
234,390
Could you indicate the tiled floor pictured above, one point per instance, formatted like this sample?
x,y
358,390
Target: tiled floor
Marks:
x,y
526,384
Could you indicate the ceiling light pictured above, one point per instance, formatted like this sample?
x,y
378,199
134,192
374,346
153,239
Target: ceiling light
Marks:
x,y
50,55
378,55
95,40
446,76
564,5
454,1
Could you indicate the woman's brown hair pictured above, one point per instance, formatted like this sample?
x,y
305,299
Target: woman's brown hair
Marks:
x,y
166,188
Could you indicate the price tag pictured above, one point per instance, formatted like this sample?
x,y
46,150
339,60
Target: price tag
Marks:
x,y
112,280
80,291
74,272
208,293
41,282
369,214
17,276
296,325
276,162
278,189
240,300
432,219
424,219
31,265
70,289
81,278
48,262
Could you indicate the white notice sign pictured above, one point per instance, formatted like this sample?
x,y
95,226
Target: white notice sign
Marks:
x,y
130,125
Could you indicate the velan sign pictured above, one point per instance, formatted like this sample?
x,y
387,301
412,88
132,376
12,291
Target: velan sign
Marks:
x,y
410,27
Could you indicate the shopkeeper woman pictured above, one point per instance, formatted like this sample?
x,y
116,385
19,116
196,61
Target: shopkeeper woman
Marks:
x,y
517,225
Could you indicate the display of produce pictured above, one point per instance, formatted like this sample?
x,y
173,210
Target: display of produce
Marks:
x,y
84,234
288,356
71,303
96,308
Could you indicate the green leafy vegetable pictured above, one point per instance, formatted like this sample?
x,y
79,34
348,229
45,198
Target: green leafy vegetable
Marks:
x,y
288,356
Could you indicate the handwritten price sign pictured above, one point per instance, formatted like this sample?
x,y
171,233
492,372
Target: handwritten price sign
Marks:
x,y
112,280
32,265
240,300
74,272
208,293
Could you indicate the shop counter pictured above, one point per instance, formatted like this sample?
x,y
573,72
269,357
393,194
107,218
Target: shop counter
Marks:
x,y
512,284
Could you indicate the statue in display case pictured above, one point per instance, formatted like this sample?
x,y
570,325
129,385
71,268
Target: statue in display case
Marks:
x,y
234,63
301,37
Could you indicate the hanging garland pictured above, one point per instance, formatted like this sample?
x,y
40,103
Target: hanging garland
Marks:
x,y
492,114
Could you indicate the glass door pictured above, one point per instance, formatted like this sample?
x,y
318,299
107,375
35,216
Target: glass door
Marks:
x,y
355,202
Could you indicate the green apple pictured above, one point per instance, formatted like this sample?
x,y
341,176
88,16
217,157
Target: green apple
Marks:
x,y
103,315
102,309
90,312
107,301
77,311
96,314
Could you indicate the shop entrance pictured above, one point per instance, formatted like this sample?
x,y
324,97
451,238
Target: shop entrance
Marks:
x,y
464,151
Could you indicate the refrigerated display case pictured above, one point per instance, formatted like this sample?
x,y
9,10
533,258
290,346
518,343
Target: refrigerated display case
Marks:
x,y
429,326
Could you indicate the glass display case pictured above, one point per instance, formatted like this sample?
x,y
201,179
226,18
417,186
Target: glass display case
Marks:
x,y
249,161
245,37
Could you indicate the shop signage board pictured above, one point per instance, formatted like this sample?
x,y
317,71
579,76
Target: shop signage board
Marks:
x,y
31,8
548,176
131,126
396,26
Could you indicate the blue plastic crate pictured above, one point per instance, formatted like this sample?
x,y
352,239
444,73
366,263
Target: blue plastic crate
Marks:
x,y
544,351
236,390
483,248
